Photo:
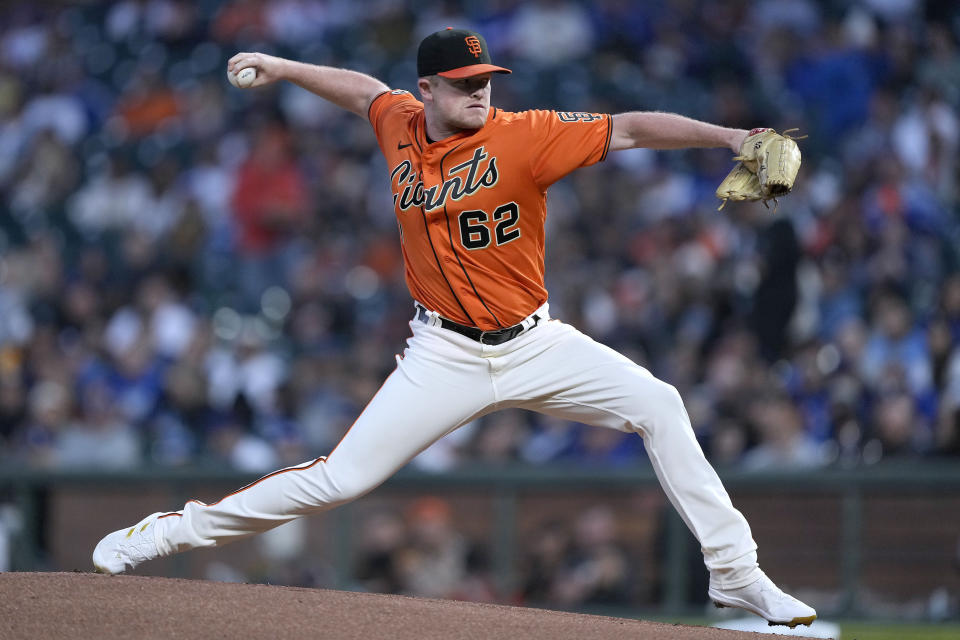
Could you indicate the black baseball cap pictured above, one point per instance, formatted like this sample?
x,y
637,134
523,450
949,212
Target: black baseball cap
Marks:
x,y
455,53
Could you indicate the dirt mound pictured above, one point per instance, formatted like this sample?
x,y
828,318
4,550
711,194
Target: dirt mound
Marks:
x,y
87,605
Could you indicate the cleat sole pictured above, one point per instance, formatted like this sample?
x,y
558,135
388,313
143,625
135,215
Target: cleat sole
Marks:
x,y
807,621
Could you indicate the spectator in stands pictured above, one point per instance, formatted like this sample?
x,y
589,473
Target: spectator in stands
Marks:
x,y
498,439
545,558
434,561
380,545
898,429
100,437
112,199
840,297
775,298
48,177
231,440
13,402
896,346
603,448
270,206
596,570
782,442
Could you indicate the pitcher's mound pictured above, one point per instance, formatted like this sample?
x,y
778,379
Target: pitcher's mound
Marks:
x,y
88,605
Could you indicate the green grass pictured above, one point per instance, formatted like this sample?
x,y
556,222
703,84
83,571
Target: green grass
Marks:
x,y
858,629
849,629
898,631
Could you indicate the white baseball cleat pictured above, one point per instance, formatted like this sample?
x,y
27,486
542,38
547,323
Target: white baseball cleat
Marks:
x,y
765,599
124,549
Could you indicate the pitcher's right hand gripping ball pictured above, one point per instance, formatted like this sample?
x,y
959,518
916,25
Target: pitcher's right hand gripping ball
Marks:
x,y
248,69
766,169
244,79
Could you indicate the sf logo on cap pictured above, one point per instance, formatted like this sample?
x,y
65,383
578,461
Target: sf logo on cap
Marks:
x,y
473,46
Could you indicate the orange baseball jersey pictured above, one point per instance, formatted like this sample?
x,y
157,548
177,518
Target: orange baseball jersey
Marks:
x,y
471,208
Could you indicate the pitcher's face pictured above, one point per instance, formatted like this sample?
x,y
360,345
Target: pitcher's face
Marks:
x,y
458,104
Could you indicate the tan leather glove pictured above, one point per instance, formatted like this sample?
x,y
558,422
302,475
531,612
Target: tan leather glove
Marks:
x,y
766,167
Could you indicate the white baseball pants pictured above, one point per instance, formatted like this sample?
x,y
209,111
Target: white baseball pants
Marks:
x,y
444,380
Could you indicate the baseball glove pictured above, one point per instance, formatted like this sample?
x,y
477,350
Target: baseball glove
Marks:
x,y
766,168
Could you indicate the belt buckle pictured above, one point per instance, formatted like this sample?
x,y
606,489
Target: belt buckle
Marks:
x,y
497,333
509,331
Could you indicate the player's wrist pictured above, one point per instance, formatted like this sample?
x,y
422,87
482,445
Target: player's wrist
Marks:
x,y
736,138
286,69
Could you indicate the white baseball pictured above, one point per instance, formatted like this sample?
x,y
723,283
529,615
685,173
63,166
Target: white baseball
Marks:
x,y
243,79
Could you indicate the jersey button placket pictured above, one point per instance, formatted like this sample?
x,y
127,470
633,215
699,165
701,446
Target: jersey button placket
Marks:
x,y
431,165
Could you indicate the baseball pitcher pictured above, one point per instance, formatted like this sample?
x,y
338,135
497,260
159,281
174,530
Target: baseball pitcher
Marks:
x,y
469,188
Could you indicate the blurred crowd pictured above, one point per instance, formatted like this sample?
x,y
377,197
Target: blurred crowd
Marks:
x,y
193,273
566,564
420,549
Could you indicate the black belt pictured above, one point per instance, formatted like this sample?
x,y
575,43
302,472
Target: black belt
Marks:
x,y
483,337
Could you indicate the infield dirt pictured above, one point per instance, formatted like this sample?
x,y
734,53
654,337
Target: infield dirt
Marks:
x,y
88,605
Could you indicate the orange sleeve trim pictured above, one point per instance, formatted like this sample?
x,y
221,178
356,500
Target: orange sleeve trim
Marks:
x,y
374,99
606,145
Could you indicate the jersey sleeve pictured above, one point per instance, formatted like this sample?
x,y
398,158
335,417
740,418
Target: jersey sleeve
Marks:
x,y
390,111
566,140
